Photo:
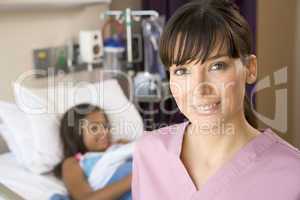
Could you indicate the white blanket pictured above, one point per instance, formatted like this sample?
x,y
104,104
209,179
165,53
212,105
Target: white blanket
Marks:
x,y
107,165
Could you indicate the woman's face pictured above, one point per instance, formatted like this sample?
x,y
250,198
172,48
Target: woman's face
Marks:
x,y
96,133
212,92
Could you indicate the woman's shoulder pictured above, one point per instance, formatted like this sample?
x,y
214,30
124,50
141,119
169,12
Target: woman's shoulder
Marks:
x,y
279,163
161,136
166,132
283,148
282,154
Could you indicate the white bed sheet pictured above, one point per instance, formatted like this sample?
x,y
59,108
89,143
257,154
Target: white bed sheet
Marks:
x,y
28,185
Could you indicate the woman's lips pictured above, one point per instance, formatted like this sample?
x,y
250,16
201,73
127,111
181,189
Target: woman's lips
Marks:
x,y
207,108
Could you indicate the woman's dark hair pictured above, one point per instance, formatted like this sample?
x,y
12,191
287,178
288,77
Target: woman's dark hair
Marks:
x,y
71,132
200,27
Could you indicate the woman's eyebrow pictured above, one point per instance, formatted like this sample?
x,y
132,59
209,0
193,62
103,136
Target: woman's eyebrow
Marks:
x,y
216,57
208,59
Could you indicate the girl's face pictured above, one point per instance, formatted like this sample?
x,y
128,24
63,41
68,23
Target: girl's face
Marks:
x,y
212,92
96,135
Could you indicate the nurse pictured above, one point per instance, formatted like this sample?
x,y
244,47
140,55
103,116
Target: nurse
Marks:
x,y
218,154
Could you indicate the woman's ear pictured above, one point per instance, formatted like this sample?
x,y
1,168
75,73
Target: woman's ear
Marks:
x,y
251,66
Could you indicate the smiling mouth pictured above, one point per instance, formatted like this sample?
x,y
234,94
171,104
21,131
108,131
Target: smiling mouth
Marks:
x,y
207,108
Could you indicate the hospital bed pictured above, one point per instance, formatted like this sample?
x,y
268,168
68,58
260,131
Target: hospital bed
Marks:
x,y
5,193
18,183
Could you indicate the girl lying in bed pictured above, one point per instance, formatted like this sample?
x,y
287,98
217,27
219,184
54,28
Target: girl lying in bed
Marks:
x,y
94,167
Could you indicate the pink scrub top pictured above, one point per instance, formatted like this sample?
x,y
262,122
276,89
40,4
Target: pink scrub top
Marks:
x,y
266,168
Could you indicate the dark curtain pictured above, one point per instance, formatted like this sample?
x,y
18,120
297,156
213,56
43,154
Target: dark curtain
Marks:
x,y
164,7
248,10
168,7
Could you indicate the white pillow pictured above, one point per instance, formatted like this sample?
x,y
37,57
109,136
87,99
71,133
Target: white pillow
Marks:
x,y
6,136
124,117
43,105
16,131
45,142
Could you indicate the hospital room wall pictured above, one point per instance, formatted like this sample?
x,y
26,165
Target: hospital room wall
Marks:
x,y
120,5
276,48
278,45
296,90
23,31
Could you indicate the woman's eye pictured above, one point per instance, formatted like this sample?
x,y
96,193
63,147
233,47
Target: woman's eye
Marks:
x,y
217,66
180,71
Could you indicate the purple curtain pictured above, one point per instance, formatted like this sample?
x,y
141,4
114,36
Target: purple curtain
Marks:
x,y
164,7
168,7
248,10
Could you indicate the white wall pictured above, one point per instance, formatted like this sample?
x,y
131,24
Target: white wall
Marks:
x,y
21,32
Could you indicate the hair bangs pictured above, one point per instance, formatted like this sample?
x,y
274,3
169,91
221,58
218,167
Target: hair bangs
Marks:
x,y
195,37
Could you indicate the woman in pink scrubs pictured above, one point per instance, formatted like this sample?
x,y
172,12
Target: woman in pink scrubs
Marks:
x,y
217,154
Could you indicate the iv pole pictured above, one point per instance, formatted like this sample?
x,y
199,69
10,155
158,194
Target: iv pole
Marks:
x,y
128,20
128,15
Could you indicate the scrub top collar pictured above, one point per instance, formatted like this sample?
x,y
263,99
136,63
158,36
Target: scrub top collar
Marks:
x,y
240,162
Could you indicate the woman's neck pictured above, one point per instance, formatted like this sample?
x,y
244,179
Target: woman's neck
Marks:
x,y
217,144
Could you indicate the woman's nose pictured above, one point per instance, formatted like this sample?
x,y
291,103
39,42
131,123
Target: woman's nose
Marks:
x,y
198,75
201,84
205,89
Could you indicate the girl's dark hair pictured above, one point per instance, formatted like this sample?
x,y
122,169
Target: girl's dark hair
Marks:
x,y
198,28
71,132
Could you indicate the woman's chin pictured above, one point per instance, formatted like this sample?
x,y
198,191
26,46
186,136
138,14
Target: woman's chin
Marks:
x,y
207,122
